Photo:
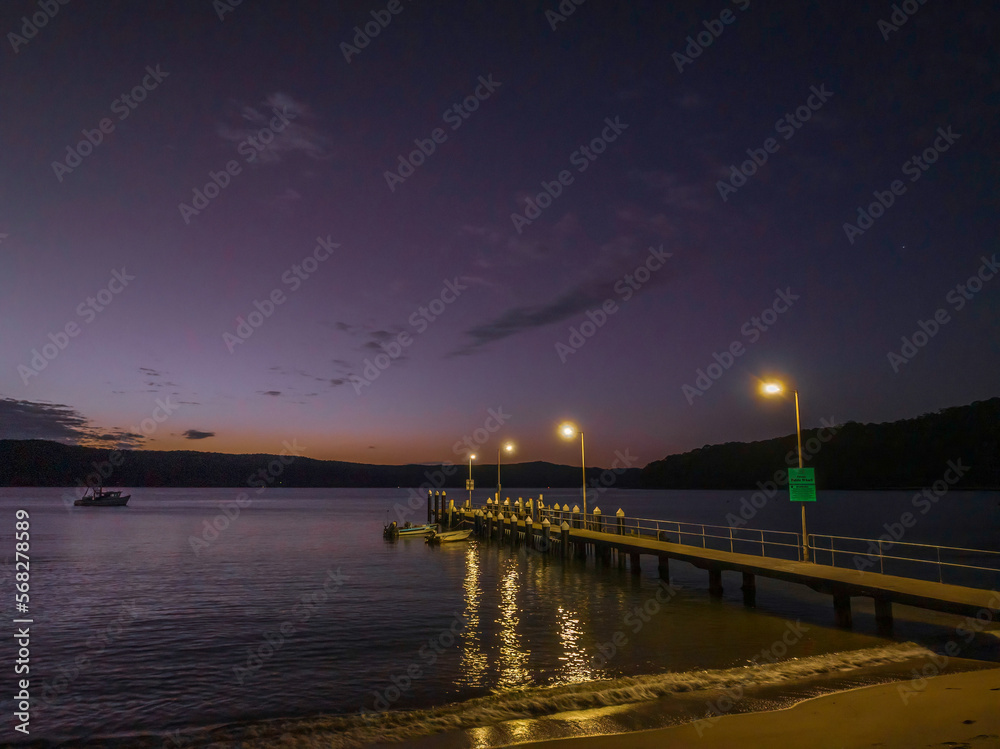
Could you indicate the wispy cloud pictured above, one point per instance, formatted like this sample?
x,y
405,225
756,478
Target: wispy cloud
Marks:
x,y
23,420
297,136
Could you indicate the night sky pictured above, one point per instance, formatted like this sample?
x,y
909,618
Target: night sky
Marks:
x,y
229,218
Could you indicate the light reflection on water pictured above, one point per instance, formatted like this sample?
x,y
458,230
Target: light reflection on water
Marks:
x,y
474,662
513,656
531,620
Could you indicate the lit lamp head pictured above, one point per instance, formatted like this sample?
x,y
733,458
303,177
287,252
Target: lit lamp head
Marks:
x,y
771,388
472,457
509,447
568,430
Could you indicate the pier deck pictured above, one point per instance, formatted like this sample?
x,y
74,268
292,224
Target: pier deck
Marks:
x,y
511,525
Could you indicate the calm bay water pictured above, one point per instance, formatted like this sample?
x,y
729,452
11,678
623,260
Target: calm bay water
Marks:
x,y
300,608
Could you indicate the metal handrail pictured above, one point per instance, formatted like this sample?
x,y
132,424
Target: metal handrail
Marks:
x,y
615,525
883,556
610,524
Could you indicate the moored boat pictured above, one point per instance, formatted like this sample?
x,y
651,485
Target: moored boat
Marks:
x,y
98,496
448,537
393,530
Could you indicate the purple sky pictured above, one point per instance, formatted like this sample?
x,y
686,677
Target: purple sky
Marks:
x,y
863,99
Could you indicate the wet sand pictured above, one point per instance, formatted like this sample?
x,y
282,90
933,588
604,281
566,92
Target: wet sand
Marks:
x,y
960,711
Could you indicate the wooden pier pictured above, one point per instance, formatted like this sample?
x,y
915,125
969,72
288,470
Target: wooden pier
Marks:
x,y
565,533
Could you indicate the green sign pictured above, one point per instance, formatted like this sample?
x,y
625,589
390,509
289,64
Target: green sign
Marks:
x,y
802,484
469,485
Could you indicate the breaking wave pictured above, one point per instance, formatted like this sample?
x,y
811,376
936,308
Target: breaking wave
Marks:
x,y
343,731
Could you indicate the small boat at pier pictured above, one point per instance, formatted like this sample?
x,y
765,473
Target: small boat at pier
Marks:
x,y
448,537
392,530
98,496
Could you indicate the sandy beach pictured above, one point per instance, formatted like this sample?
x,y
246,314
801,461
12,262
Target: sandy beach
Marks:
x,y
961,711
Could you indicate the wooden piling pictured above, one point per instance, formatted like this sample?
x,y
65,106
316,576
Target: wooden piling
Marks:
x,y
430,502
663,567
634,563
883,616
842,609
749,589
715,583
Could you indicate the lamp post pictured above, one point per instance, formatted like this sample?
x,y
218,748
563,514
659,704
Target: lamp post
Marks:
x,y
508,447
569,430
773,388
472,457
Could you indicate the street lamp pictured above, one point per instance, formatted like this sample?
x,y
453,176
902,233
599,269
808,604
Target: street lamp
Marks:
x,y
507,447
472,457
774,388
569,430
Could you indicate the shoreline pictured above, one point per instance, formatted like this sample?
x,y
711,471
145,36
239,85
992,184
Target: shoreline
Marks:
x,y
957,710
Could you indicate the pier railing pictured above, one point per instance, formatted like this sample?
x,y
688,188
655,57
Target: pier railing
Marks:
x,y
952,564
757,541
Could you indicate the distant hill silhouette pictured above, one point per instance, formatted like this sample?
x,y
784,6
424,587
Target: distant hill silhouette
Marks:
x,y
45,463
898,454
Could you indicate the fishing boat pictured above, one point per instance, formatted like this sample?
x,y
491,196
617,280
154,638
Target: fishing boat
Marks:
x,y
393,530
448,537
98,496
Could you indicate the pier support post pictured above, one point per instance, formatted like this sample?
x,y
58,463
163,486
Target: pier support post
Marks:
x,y
451,513
842,609
564,532
664,567
620,515
883,616
633,559
546,532
621,558
749,589
715,583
